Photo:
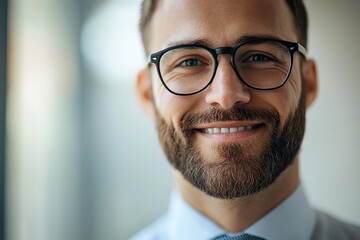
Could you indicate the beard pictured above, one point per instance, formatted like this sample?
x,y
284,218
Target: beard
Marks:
x,y
237,169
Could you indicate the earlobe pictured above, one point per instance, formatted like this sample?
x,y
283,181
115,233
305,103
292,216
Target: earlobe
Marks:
x,y
310,78
144,91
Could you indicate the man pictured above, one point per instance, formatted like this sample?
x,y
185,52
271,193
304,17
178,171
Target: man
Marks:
x,y
228,85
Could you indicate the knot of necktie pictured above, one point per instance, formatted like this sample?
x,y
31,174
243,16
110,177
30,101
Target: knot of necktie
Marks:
x,y
241,237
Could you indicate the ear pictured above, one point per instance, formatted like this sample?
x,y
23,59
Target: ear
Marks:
x,y
309,74
144,91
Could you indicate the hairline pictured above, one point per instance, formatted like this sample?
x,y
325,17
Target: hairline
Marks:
x,y
146,22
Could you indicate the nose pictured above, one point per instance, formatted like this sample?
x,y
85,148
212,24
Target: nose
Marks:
x,y
226,89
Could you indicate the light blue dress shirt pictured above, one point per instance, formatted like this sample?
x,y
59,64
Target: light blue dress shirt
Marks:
x,y
293,219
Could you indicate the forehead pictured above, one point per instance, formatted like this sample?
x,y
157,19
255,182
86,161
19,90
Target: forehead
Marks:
x,y
219,22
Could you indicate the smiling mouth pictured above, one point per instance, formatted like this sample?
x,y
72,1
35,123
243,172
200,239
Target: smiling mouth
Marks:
x,y
223,130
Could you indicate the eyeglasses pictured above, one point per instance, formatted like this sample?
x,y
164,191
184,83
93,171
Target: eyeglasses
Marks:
x,y
262,64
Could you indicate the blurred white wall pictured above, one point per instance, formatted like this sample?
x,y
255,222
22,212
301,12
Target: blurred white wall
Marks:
x,y
331,151
42,168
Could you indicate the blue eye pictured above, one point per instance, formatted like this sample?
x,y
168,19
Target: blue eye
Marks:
x,y
190,63
258,58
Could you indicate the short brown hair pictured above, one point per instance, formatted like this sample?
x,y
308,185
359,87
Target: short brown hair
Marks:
x,y
297,8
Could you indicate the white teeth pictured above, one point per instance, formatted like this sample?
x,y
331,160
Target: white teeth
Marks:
x,y
248,128
241,129
232,130
209,131
227,130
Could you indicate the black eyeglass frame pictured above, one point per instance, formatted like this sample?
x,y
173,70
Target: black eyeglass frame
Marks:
x,y
215,52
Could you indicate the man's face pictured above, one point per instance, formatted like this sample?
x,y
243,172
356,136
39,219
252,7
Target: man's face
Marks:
x,y
269,124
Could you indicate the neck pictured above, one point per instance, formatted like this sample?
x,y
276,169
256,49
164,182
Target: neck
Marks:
x,y
238,214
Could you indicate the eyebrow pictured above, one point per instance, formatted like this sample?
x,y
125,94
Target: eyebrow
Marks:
x,y
207,43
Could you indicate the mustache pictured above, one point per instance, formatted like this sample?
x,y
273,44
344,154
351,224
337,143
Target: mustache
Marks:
x,y
237,113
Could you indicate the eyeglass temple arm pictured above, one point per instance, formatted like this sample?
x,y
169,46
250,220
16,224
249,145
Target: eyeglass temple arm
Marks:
x,y
302,50
149,60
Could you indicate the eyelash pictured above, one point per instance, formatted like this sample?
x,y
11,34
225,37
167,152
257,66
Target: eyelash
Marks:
x,y
183,63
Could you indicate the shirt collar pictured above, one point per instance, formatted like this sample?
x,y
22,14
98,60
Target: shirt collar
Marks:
x,y
187,223
292,219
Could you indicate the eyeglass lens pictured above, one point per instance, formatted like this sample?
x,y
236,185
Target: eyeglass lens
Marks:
x,y
261,65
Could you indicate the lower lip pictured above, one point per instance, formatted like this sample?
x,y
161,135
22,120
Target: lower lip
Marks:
x,y
236,136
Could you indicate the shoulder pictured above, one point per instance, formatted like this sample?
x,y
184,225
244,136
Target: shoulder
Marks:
x,y
328,227
155,231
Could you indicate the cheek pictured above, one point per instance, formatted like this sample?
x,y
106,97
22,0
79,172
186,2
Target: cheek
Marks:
x,y
294,88
284,100
289,98
172,108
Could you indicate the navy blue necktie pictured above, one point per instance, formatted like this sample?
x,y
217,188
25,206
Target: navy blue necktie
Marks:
x,y
241,237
